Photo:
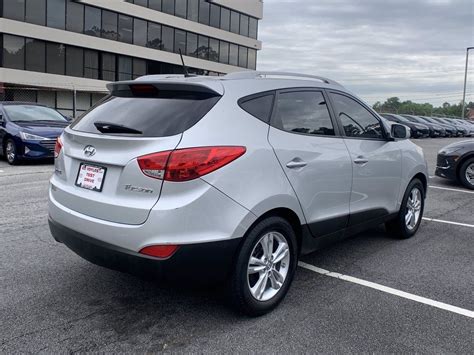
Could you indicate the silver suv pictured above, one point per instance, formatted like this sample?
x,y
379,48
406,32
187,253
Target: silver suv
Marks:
x,y
230,178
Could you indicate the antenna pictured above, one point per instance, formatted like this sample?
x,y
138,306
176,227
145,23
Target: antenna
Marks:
x,y
185,68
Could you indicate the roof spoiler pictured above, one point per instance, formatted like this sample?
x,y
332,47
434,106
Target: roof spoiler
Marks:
x,y
159,89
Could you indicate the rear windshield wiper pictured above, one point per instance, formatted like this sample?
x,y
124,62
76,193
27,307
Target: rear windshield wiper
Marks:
x,y
107,127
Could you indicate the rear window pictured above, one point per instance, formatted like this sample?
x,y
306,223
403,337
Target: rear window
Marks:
x,y
151,117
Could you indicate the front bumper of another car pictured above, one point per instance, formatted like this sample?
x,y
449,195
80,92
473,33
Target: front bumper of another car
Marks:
x,y
36,149
446,166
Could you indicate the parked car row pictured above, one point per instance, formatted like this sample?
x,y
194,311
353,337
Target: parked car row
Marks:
x,y
423,127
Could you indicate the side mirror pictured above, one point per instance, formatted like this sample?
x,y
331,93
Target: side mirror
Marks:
x,y
398,132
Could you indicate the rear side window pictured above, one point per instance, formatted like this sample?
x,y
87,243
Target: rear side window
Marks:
x,y
148,117
260,107
355,118
303,112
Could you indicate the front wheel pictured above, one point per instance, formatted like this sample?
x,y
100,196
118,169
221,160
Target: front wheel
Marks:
x,y
466,174
10,152
408,220
265,267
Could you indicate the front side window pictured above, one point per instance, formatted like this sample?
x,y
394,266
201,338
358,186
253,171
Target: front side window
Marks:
x,y
303,112
356,120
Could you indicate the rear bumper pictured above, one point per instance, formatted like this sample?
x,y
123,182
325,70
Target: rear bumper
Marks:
x,y
202,263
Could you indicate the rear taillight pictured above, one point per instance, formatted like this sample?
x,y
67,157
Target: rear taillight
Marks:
x,y
159,251
58,147
188,164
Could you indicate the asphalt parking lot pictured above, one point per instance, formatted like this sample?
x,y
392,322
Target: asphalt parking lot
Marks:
x,y
53,301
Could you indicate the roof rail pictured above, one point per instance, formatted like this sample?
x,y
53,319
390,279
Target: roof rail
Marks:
x,y
266,74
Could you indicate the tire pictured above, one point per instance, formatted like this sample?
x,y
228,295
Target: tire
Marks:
x,y
10,152
466,174
243,286
398,227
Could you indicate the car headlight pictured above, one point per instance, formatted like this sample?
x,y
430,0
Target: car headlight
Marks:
x,y
31,137
449,151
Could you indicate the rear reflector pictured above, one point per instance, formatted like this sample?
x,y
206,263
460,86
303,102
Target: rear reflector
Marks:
x,y
188,164
159,251
58,147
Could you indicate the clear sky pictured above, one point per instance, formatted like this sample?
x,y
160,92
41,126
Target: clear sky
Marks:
x,y
413,49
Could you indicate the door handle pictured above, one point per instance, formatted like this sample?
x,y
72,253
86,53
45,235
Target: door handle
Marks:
x,y
296,163
361,161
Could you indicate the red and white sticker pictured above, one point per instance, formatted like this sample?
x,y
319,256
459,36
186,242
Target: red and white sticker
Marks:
x,y
91,177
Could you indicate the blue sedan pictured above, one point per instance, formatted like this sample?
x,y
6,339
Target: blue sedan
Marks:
x,y
29,131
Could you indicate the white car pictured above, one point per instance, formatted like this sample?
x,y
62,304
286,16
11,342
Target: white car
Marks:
x,y
230,178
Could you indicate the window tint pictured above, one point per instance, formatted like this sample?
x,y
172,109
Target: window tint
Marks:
x,y
35,55
234,22
167,37
36,12
260,107
244,25
55,55
180,41
252,64
168,6
139,67
108,66
355,118
203,47
159,117
215,18
180,9
13,52
109,25
154,36
74,17
204,12
214,50
152,4
14,9
253,27
192,44
91,64
303,112
75,61
139,32
225,19
224,52
125,28
234,54
193,10
243,56
56,14
124,68
92,21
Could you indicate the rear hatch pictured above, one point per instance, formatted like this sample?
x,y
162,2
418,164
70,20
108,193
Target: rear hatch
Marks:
x,y
97,171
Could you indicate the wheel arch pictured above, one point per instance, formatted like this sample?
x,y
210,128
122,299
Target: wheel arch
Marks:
x,y
424,180
461,163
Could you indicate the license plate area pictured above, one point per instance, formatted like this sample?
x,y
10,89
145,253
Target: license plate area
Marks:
x,y
91,177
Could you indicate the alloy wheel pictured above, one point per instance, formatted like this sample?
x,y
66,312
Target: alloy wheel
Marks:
x,y
268,266
470,174
10,151
413,212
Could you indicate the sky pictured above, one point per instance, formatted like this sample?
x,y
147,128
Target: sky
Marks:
x,y
413,49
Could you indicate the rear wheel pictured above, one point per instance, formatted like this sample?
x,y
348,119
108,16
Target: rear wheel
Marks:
x,y
10,152
265,267
408,220
466,174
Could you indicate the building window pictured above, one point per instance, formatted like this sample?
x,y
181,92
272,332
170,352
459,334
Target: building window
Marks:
x,y
56,14
252,62
224,52
125,29
91,64
243,56
74,17
191,44
124,68
204,12
35,12
168,6
180,41
215,17
181,8
234,54
75,61
109,25
253,28
55,55
13,52
139,67
193,10
14,9
225,19
154,36
203,47
140,32
152,4
108,66
92,21
244,25
214,50
35,56
167,38
234,22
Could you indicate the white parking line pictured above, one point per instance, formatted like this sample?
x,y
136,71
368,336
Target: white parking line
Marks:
x,y
392,291
448,222
449,189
